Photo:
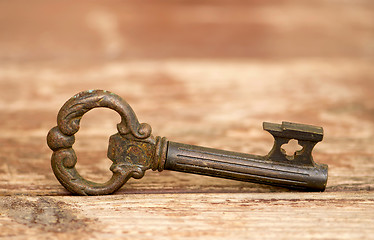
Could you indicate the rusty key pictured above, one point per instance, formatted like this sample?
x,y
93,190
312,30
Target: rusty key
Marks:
x,y
134,150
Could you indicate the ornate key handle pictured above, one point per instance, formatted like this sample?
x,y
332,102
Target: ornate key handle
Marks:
x,y
139,148
133,150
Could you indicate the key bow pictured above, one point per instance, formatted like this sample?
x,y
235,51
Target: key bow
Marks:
x,y
139,142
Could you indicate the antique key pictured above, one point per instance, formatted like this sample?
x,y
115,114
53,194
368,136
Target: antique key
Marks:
x,y
134,150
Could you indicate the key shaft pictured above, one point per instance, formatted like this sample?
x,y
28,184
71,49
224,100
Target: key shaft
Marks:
x,y
243,167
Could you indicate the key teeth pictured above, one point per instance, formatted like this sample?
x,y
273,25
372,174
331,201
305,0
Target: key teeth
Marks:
x,y
294,131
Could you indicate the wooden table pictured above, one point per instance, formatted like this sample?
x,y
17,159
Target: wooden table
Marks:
x,y
195,78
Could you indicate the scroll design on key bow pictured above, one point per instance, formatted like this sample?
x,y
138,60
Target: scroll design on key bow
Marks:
x,y
134,138
72,111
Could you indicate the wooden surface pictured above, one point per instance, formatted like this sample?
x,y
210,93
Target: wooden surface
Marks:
x,y
200,73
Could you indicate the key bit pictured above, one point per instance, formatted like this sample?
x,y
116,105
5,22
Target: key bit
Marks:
x,y
134,150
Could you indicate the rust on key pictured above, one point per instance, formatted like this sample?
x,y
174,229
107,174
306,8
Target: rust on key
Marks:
x,y
133,150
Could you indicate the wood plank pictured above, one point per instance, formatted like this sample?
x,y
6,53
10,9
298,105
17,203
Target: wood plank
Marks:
x,y
190,216
199,115
112,30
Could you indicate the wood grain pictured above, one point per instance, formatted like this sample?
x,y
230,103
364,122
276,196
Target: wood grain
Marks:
x,y
299,68
190,216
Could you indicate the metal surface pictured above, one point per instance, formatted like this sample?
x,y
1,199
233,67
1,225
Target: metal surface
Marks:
x,y
298,171
134,150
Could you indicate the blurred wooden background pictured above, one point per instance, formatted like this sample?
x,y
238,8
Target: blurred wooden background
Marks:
x,y
199,72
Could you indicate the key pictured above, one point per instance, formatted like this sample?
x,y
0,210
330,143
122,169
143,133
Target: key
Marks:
x,y
134,150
